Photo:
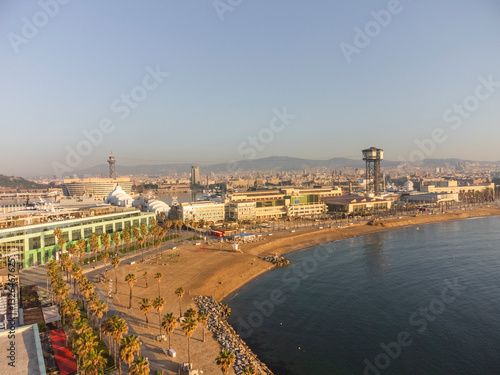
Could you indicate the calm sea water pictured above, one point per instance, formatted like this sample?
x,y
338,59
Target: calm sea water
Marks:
x,y
407,301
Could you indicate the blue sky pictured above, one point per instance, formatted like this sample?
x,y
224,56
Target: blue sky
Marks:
x,y
227,77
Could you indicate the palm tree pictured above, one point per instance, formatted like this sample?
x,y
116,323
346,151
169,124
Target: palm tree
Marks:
x,y
94,362
203,319
225,360
105,241
130,279
188,327
115,262
82,245
158,278
84,345
140,241
104,258
99,309
249,371
158,304
94,244
190,313
180,293
129,347
118,329
168,323
68,306
61,242
139,367
116,240
146,306
57,234
145,276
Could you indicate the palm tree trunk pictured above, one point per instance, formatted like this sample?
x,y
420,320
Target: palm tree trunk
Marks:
x,y
189,355
116,283
130,299
169,346
180,308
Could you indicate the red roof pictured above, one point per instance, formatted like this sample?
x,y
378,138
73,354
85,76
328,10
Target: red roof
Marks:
x,y
64,357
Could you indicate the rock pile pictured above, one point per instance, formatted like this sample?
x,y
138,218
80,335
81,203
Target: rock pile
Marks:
x,y
227,337
275,259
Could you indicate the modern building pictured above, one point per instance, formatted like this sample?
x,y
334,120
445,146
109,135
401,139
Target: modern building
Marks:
x,y
36,244
95,187
202,210
452,187
195,175
431,197
356,204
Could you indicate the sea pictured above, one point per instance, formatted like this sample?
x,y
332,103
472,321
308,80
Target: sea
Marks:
x,y
414,300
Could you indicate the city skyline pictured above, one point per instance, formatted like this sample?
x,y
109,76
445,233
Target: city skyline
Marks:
x,y
211,87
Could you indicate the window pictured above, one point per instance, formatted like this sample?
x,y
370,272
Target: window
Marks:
x,y
109,228
50,240
34,243
118,226
76,235
87,232
98,229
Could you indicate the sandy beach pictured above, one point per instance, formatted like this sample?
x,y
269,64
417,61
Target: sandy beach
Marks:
x,y
208,270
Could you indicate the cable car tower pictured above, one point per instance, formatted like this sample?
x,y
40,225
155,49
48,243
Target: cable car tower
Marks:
x,y
373,156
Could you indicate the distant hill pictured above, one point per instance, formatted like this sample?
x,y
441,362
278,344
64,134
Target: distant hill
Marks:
x,y
13,182
277,163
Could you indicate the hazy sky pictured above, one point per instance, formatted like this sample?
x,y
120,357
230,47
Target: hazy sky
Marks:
x,y
69,66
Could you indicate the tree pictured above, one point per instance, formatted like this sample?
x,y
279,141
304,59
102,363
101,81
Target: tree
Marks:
x,y
158,304
190,313
84,344
116,240
61,242
99,309
57,234
146,306
180,293
249,371
82,245
94,244
145,276
168,323
225,360
203,319
105,257
129,347
158,278
115,262
188,327
139,367
130,279
94,362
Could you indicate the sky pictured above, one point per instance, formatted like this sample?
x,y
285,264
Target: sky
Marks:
x,y
215,81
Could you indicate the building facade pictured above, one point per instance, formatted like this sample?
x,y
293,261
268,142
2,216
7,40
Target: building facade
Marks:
x,y
36,244
95,187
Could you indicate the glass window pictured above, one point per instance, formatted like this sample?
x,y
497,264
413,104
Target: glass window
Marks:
x,y
87,232
118,226
34,243
76,235
109,228
98,229
50,240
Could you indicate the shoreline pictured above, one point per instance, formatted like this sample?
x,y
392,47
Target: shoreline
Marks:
x,y
328,235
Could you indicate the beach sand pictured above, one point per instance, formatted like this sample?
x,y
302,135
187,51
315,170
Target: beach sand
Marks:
x,y
207,270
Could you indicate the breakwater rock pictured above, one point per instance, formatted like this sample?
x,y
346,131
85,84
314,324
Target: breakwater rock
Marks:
x,y
227,337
